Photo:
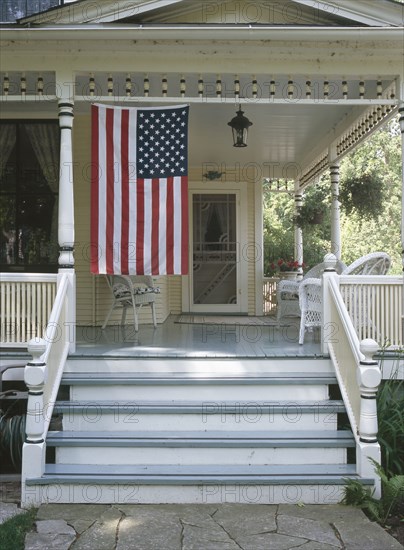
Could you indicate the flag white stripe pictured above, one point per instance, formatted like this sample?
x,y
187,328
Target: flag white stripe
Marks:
x,y
177,215
102,193
163,226
147,242
132,191
116,261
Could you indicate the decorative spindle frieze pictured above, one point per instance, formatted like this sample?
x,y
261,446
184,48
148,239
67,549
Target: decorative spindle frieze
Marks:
x,y
128,87
326,89
345,89
361,89
39,85
200,86
308,89
290,89
164,86
146,86
218,86
6,84
183,86
379,89
110,84
236,87
279,185
254,87
23,84
272,89
91,85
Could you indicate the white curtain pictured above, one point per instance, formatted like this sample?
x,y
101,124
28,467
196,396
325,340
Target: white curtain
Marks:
x,y
44,139
8,137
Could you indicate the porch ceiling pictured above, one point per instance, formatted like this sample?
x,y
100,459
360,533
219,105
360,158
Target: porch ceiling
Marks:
x,y
283,141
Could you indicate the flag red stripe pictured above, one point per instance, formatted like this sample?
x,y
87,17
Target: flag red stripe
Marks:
x,y
109,252
184,220
95,175
125,192
155,226
170,227
140,226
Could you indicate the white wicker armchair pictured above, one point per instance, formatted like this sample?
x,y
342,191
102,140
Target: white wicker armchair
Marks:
x,y
132,292
311,305
375,263
310,292
287,292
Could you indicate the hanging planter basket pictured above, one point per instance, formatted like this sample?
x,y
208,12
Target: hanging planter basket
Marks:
x,y
363,195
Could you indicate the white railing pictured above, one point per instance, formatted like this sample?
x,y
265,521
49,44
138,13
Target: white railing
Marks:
x,y
375,305
26,301
357,373
42,377
269,293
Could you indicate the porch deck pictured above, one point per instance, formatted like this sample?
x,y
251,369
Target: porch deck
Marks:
x,y
173,339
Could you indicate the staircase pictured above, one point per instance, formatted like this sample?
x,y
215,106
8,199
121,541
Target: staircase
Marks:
x,y
199,430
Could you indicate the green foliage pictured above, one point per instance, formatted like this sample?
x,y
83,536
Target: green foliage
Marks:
x,y
316,202
13,531
380,154
356,494
363,195
390,414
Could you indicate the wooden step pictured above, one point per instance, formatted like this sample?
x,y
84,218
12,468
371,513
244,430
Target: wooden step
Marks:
x,y
148,484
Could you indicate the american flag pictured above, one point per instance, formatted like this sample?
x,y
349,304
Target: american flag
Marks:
x,y
139,190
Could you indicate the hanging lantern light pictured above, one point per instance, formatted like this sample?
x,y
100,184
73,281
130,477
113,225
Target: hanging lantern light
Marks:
x,y
239,125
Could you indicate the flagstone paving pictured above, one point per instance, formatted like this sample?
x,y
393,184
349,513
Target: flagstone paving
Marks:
x,y
205,527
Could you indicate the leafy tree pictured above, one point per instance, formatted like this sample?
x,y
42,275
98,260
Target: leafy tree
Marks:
x,y
380,153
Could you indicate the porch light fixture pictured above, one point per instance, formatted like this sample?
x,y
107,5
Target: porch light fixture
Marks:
x,y
239,125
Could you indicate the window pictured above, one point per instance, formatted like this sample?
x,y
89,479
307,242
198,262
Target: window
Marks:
x,y
29,183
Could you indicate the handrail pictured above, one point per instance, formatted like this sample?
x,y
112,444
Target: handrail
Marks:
x,y
346,320
42,377
358,375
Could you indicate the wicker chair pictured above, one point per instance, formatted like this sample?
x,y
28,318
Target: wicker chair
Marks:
x,y
132,292
310,292
375,263
311,305
287,292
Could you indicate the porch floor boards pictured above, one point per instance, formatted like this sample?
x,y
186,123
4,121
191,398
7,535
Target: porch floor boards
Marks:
x,y
172,339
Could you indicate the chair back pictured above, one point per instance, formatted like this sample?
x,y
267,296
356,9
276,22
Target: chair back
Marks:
x,y
375,263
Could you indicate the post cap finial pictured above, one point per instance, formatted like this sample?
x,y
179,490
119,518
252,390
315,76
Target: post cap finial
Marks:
x,y
368,347
36,347
330,261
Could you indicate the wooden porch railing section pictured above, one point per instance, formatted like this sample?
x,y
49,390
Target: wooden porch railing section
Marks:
x,y
43,374
357,373
26,301
375,305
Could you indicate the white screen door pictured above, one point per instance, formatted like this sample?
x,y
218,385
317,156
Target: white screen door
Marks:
x,y
215,253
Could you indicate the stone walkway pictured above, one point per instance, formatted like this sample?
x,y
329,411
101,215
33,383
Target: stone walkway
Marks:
x,y
197,527
205,527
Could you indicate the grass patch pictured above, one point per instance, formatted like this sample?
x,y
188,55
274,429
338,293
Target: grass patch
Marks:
x,y
13,531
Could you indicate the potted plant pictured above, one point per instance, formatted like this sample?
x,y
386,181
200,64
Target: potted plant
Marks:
x,y
314,205
284,268
362,194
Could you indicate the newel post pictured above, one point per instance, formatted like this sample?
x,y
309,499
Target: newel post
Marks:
x,y
327,330
35,375
369,377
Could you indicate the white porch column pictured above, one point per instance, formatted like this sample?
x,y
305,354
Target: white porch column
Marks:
x,y
335,211
298,231
66,204
66,213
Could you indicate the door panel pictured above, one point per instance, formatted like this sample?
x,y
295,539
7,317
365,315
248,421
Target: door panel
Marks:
x,y
215,252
